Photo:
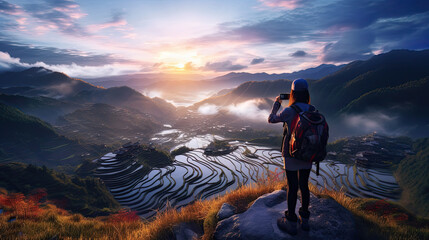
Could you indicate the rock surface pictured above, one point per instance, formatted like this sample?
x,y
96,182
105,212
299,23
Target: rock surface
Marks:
x,y
187,231
328,220
225,211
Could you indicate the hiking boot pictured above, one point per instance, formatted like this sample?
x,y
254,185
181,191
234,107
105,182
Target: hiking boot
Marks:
x,y
303,219
288,224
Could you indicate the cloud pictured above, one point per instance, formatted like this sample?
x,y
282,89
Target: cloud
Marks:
x,y
326,23
13,16
188,66
59,14
372,121
152,93
354,45
286,4
157,65
222,66
249,110
116,21
8,63
9,8
299,53
257,61
49,55
208,109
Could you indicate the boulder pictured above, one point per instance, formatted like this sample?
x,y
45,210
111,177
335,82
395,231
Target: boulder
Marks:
x,y
187,231
225,211
328,220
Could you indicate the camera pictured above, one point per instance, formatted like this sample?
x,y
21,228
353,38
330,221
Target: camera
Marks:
x,y
284,96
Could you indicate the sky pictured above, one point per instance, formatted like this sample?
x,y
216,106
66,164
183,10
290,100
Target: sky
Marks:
x,y
208,37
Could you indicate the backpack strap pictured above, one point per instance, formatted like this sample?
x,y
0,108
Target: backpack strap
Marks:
x,y
317,168
296,108
286,127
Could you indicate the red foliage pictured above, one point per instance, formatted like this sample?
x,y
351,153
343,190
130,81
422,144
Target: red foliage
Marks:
x,y
384,209
23,206
124,216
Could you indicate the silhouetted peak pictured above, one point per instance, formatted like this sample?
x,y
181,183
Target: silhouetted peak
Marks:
x,y
37,71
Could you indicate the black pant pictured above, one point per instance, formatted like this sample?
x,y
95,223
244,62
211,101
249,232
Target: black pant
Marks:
x,y
295,179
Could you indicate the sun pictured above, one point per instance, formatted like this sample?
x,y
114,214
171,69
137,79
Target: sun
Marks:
x,y
180,65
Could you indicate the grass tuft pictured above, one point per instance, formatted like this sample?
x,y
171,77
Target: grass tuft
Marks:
x,y
375,219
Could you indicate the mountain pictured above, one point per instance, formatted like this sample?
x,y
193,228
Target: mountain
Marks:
x,y
138,81
249,90
126,97
28,139
310,73
390,70
39,81
386,93
414,180
88,196
188,91
104,124
47,109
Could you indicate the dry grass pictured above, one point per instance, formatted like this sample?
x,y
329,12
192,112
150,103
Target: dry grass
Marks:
x,y
375,219
55,222
204,212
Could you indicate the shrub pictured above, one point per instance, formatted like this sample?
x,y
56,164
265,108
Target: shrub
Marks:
x,y
124,216
22,206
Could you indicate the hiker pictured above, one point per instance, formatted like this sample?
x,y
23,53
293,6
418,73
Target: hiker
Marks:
x,y
297,170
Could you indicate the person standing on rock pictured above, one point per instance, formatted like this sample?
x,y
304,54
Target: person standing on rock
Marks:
x,y
297,171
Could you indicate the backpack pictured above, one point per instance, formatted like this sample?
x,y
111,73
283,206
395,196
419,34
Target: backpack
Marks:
x,y
308,136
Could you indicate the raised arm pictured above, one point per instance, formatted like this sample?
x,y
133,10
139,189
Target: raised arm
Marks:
x,y
281,117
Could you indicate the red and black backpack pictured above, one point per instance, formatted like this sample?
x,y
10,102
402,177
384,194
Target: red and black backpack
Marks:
x,y
308,136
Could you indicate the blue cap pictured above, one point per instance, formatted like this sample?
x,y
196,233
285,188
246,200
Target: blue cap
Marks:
x,y
299,85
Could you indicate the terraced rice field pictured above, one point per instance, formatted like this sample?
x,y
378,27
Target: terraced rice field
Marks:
x,y
195,175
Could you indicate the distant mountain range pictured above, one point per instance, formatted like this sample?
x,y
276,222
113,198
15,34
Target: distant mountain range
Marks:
x,y
48,94
39,81
310,73
388,91
141,80
178,90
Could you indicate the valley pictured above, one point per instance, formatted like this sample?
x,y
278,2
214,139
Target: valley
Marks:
x,y
196,175
79,130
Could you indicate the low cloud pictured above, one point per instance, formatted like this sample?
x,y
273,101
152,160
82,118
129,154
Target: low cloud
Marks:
x,y
152,93
224,66
8,63
208,109
249,110
49,55
374,122
299,53
257,61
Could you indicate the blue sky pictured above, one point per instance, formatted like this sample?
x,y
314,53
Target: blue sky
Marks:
x,y
100,38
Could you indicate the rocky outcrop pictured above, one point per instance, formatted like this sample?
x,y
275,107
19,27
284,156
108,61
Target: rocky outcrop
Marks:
x,y
225,211
186,231
328,220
